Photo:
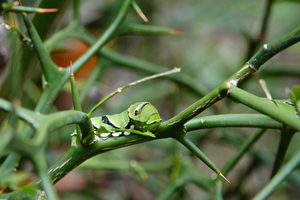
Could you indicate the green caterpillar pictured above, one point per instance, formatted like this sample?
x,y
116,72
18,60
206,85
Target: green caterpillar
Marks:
x,y
140,118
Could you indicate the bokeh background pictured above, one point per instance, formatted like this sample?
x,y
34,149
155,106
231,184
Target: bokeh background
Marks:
x,y
216,40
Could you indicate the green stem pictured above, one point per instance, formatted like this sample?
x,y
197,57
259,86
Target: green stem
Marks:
x,y
172,188
137,64
192,147
264,106
76,103
104,38
131,29
233,120
285,139
271,49
243,149
30,9
50,70
279,177
103,100
92,79
76,9
41,166
34,119
257,39
45,24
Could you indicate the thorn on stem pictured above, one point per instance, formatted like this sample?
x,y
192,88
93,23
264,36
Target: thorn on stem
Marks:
x,y
47,10
220,174
178,32
143,16
71,69
3,189
9,23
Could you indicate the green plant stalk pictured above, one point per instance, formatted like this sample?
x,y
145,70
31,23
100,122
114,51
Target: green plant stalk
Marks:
x,y
74,30
264,106
264,54
50,70
68,161
285,139
131,28
75,95
46,23
29,9
127,61
104,38
139,11
109,164
233,120
137,64
243,149
257,39
51,91
192,147
198,178
271,49
94,76
76,10
283,173
172,188
194,109
34,119
103,100
76,104
39,161
218,195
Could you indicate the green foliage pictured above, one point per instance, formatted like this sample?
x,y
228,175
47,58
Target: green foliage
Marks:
x,y
218,37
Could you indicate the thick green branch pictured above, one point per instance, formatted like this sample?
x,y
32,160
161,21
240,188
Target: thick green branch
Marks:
x,y
233,120
273,48
264,106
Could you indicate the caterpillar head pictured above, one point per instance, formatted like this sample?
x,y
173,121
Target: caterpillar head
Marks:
x,y
144,116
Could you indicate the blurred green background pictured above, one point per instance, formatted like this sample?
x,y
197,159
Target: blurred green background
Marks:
x,y
213,47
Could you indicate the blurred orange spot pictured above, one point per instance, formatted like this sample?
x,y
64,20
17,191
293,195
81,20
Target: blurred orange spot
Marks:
x,y
71,51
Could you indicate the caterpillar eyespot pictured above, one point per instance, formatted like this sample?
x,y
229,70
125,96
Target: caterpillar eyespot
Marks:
x,y
136,112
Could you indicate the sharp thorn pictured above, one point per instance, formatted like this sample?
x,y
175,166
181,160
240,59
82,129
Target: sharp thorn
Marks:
x,y
143,16
47,10
71,69
220,174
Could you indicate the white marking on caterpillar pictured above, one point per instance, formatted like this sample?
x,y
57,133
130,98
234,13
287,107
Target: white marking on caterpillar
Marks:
x,y
266,46
116,134
132,127
96,138
126,133
38,113
202,120
104,134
